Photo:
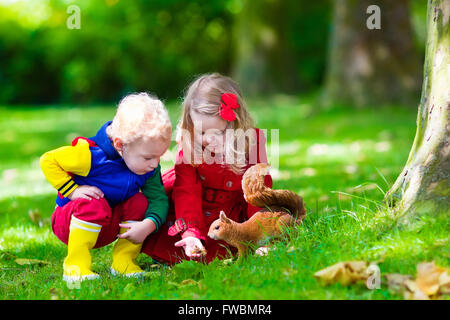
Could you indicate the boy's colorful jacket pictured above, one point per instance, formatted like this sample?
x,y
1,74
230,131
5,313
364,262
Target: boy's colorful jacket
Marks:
x,y
95,162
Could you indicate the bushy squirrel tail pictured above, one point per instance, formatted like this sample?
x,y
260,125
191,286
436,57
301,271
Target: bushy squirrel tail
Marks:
x,y
259,195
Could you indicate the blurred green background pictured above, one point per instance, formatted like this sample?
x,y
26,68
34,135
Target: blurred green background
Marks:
x,y
161,45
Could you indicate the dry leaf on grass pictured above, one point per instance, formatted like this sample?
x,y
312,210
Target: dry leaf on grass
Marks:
x,y
444,283
36,218
191,282
344,272
430,278
201,286
34,215
188,282
54,294
396,281
413,291
431,282
30,261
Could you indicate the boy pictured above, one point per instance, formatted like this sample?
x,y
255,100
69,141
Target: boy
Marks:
x,y
99,181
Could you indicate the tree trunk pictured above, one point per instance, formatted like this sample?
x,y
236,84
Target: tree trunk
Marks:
x,y
372,66
424,184
263,61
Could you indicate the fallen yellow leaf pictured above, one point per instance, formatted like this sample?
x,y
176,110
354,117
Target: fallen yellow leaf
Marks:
x,y
30,261
428,277
344,272
202,286
413,291
444,283
36,218
431,282
396,281
188,282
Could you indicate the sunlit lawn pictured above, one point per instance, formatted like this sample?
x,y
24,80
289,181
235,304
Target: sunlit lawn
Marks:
x,y
340,160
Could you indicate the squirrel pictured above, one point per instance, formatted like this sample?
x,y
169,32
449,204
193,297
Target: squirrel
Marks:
x,y
280,208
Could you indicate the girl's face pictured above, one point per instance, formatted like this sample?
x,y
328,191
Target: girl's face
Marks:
x,y
142,156
210,132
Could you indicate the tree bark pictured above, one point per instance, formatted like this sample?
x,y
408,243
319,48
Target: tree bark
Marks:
x,y
372,66
424,184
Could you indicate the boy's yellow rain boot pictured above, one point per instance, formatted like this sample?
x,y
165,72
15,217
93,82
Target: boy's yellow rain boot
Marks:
x,y
82,237
124,254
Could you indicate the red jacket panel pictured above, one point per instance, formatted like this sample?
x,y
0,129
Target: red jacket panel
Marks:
x,y
200,192
197,194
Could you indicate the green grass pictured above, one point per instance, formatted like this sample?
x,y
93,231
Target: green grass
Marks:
x,y
341,161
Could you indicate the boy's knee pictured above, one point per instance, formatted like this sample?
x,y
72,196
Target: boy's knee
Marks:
x,y
139,202
95,211
135,207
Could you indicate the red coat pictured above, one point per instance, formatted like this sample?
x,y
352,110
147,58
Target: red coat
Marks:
x,y
197,194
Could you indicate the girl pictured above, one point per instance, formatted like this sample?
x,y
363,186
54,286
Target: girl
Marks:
x,y
217,144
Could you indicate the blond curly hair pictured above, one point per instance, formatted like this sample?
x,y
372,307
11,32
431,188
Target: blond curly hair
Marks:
x,y
140,115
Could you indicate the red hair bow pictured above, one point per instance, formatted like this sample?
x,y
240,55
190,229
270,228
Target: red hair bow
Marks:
x,y
228,103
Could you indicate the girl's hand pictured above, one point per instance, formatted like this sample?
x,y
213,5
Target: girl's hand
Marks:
x,y
137,231
86,192
192,247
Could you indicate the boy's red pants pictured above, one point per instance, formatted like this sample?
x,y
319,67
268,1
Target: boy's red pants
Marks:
x,y
99,212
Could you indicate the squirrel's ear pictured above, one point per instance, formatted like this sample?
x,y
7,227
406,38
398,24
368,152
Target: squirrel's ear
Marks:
x,y
223,217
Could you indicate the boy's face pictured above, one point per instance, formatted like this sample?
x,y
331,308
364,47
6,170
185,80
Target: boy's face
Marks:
x,y
142,155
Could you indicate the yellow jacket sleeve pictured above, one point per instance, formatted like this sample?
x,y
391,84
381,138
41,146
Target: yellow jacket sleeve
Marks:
x,y
57,164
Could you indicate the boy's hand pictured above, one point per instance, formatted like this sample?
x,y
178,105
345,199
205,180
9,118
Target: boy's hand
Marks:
x,y
192,246
86,192
137,231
